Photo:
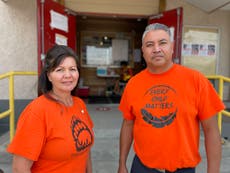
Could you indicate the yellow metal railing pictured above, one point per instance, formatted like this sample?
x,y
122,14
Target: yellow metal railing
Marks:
x,y
10,111
221,80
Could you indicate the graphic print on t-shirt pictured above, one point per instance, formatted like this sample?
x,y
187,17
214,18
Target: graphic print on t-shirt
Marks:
x,y
160,106
81,133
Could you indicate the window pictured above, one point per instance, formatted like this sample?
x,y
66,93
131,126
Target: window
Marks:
x,y
107,49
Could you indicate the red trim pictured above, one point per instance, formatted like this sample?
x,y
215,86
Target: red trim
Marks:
x,y
39,35
49,33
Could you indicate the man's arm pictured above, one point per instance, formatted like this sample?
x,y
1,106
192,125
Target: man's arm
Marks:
x,y
212,144
126,139
21,164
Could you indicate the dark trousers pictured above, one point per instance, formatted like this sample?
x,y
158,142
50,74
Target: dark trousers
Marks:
x,y
138,167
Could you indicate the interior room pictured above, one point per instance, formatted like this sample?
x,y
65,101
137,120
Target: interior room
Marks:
x,y
102,43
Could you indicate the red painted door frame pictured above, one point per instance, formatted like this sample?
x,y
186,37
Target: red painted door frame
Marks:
x,y
47,34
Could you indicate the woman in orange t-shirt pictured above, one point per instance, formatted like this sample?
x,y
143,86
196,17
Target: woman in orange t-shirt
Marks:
x,y
54,133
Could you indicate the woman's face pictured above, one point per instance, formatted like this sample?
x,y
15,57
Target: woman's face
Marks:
x,y
65,76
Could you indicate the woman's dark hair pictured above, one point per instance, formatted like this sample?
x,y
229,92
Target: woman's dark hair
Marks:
x,y
54,57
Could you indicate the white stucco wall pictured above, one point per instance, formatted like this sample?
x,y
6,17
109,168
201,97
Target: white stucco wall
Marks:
x,y
18,40
219,19
18,46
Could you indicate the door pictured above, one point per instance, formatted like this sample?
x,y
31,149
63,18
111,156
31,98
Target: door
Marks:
x,y
174,20
56,25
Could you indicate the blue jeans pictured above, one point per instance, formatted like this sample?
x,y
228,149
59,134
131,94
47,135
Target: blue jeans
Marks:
x,y
138,167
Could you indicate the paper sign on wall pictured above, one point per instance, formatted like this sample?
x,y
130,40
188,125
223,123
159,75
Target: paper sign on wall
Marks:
x,y
120,50
61,39
59,21
200,49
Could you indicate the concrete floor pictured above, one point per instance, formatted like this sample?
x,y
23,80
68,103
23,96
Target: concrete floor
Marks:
x,y
107,121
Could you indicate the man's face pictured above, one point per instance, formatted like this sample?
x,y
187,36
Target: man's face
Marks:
x,y
157,51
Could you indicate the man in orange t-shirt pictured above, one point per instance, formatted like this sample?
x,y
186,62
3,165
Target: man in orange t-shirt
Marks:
x,y
162,107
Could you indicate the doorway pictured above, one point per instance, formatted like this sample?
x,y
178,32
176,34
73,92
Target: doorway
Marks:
x,y
103,42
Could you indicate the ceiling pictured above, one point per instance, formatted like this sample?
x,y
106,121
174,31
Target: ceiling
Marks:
x,y
133,6
211,5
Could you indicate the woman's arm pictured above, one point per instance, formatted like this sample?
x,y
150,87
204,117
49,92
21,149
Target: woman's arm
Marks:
x,y
89,168
21,164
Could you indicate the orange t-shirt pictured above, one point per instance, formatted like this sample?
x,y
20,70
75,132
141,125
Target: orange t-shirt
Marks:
x,y
166,109
57,138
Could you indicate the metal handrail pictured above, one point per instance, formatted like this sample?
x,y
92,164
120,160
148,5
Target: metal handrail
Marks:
x,y
220,91
10,111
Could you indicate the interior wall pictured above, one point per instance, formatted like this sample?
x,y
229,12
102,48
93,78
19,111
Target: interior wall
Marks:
x,y
18,46
99,85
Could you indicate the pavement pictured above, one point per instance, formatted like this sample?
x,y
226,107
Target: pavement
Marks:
x,y
107,122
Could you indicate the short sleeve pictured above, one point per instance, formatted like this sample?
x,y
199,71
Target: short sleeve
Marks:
x,y
209,101
125,107
30,135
